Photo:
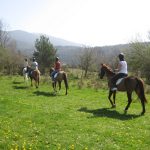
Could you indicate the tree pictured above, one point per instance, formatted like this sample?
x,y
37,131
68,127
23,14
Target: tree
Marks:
x,y
4,36
86,60
45,53
138,58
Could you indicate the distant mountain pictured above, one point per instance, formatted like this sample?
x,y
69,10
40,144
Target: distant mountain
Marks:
x,y
67,51
25,40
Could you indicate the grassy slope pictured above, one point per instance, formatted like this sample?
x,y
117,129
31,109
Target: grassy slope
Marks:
x,y
36,119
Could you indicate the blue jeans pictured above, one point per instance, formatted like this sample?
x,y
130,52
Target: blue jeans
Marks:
x,y
53,73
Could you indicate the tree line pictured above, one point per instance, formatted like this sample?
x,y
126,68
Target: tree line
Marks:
x,y
89,59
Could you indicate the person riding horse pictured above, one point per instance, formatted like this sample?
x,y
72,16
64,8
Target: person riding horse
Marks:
x,y
128,84
34,73
122,71
57,68
57,75
25,63
34,66
24,71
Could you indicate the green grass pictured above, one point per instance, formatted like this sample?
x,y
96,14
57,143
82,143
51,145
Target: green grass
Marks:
x,y
33,118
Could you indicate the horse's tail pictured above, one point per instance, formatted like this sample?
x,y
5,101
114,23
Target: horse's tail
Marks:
x,y
65,80
140,90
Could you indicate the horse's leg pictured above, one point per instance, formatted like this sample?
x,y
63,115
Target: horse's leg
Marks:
x,y
143,106
54,86
114,98
66,89
142,101
129,94
59,82
109,97
36,82
31,82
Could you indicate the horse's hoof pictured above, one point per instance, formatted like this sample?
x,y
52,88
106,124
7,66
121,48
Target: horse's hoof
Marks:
x,y
125,112
113,106
142,113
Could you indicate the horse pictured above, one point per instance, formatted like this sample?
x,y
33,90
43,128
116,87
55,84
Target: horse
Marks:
x,y
61,75
128,84
34,74
25,74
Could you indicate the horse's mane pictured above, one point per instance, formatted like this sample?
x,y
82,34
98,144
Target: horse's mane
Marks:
x,y
108,68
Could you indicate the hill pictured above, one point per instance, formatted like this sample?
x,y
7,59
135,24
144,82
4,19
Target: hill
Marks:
x,y
26,40
67,50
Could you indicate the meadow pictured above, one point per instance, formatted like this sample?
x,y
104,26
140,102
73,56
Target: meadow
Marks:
x,y
38,119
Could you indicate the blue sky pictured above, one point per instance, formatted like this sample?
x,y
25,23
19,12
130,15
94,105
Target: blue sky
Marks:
x,y
89,22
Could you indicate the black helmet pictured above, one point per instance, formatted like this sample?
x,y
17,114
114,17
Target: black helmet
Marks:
x,y
33,59
121,56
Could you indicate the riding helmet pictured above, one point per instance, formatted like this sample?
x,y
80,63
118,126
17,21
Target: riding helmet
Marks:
x,y
121,56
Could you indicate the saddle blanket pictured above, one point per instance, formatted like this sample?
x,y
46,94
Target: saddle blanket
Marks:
x,y
119,81
55,75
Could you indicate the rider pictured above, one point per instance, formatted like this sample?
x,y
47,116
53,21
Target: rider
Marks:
x,y
122,71
34,66
25,63
57,68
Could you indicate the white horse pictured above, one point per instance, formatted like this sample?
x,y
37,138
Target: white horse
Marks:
x,y
25,74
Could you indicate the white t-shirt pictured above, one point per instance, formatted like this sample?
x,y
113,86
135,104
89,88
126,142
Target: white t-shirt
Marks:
x,y
123,67
34,65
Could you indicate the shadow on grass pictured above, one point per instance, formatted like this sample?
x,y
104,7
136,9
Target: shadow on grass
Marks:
x,y
20,87
38,93
16,82
108,112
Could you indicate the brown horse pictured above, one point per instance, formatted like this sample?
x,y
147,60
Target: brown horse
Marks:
x,y
128,84
34,74
60,76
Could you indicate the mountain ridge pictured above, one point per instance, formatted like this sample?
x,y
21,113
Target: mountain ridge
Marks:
x,y
25,40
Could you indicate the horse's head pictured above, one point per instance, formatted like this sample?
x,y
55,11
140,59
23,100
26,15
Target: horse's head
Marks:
x,y
102,71
105,69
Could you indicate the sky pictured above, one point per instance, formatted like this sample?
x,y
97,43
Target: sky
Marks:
x,y
88,22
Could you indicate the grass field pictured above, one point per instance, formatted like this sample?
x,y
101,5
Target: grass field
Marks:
x,y
33,118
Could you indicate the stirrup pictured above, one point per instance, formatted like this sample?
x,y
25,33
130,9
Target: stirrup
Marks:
x,y
114,89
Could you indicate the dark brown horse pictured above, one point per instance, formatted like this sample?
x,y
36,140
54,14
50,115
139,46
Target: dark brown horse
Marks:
x,y
34,75
128,84
60,76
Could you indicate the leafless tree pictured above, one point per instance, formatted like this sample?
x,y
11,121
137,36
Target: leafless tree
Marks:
x,y
86,60
4,36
